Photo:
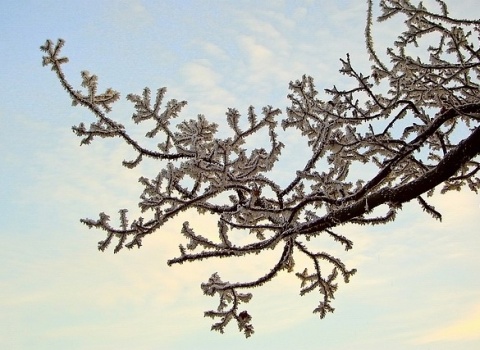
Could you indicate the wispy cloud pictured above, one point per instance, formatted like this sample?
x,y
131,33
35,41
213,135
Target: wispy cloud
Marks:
x,y
205,88
132,14
464,328
58,291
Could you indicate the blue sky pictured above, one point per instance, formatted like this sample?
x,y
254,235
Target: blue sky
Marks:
x,y
417,285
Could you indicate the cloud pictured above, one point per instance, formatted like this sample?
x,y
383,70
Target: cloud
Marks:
x,y
463,328
273,32
299,13
132,14
200,73
89,176
260,58
214,51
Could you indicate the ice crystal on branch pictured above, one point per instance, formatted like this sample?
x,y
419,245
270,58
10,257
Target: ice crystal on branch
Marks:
x,y
415,119
228,295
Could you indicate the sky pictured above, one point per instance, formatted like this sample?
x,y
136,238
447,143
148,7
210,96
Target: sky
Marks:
x,y
417,285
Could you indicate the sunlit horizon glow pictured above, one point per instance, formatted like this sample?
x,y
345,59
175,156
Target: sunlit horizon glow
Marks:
x,y
417,284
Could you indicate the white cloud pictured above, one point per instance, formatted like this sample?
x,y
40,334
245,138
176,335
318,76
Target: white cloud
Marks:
x,y
204,89
130,13
51,266
270,31
299,13
261,59
214,51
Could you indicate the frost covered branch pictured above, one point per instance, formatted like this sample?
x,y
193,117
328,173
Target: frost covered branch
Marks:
x,y
415,119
